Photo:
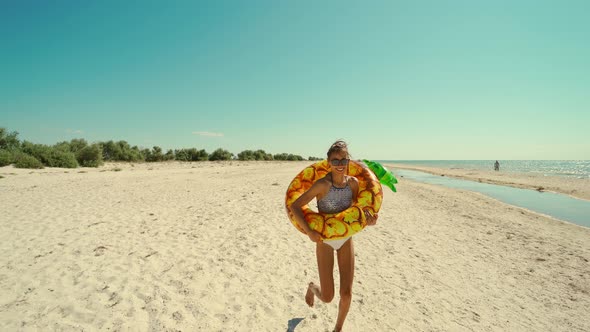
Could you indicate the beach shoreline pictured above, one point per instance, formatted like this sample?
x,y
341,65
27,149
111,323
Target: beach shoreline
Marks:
x,y
208,246
574,187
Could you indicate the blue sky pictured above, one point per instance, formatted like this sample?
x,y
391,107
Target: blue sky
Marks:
x,y
396,79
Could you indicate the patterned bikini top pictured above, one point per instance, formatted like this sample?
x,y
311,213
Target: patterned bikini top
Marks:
x,y
336,200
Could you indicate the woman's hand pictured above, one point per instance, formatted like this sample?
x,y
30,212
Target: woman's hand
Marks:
x,y
371,219
315,236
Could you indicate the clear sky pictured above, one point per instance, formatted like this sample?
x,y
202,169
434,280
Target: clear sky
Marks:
x,y
398,80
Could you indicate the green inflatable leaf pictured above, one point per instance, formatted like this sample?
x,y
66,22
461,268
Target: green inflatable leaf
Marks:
x,y
384,175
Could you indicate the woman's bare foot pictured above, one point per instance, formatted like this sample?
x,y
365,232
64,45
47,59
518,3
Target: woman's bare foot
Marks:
x,y
309,296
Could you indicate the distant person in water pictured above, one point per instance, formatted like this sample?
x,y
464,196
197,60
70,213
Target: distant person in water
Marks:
x,y
496,166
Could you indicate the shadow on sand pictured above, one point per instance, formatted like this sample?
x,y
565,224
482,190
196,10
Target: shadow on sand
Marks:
x,y
292,324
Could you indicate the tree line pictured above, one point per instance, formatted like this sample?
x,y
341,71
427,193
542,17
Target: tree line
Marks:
x,y
78,152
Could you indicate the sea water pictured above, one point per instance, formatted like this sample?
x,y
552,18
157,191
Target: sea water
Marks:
x,y
569,168
558,206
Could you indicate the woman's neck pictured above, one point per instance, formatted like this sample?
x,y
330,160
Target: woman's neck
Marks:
x,y
338,180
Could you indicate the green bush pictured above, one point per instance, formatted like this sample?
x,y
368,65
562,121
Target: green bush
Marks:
x,y
130,154
254,155
58,155
294,157
220,154
90,156
111,151
60,158
5,157
74,145
280,156
289,156
121,151
77,144
191,154
62,146
8,140
154,155
181,155
246,155
169,155
23,160
41,152
78,152
262,155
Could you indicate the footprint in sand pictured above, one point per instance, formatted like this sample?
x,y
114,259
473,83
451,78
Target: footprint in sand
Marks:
x,y
177,316
99,251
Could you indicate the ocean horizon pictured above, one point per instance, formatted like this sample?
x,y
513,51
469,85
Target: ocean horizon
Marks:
x,y
566,168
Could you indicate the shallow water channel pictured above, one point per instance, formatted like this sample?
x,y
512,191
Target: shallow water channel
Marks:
x,y
559,206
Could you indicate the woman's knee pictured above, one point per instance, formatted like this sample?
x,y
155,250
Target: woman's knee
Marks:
x,y
327,296
346,293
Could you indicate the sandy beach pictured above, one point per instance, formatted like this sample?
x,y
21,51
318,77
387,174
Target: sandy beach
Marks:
x,y
208,247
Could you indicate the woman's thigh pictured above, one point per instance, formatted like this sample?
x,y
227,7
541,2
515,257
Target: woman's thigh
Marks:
x,y
346,266
325,257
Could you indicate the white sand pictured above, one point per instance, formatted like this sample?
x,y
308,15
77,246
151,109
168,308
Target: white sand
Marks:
x,y
208,247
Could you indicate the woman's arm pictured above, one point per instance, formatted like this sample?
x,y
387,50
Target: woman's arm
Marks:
x,y
354,184
319,188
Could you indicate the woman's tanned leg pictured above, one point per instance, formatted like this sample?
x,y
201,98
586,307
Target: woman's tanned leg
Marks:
x,y
346,268
325,291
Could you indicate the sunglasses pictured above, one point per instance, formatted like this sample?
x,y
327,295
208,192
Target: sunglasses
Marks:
x,y
339,162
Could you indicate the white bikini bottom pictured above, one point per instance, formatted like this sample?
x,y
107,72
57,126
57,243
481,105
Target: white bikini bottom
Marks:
x,y
337,244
